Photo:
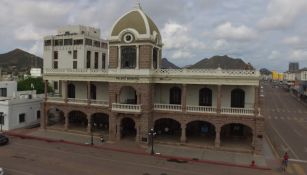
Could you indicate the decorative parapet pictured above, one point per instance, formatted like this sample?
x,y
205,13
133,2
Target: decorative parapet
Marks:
x,y
167,107
126,107
238,111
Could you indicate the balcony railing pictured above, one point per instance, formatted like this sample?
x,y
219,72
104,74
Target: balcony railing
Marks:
x,y
126,107
77,101
238,111
55,99
100,102
201,109
157,72
167,107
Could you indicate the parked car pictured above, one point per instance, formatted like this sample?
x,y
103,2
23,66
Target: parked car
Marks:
x,y
3,140
1,171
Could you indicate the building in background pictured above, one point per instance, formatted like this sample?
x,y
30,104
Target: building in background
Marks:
x,y
293,66
125,94
36,72
18,108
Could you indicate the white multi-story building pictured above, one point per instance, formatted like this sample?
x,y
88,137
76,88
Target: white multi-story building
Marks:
x,y
18,108
125,95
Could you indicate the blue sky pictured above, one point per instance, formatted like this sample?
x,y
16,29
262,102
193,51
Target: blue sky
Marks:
x,y
266,33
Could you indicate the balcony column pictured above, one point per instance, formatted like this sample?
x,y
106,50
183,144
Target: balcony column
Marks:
x,y
119,57
46,89
137,56
89,124
66,125
65,84
183,137
118,129
88,92
219,100
184,98
256,105
217,141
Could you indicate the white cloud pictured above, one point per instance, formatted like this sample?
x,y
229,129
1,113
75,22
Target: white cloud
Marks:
x,y
282,13
220,44
293,40
298,55
275,55
240,33
27,33
180,54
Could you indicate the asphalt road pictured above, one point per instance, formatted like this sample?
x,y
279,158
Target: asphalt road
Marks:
x,y
29,157
286,126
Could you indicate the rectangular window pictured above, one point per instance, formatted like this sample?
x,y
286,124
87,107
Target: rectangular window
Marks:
x,y
38,114
75,54
103,61
55,55
22,118
55,64
58,42
67,42
78,42
3,92
55,85
47,42
74,64
104,45
88,42
96,60
1,118
96,43
155,58
88,59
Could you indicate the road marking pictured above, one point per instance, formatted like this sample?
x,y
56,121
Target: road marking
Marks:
x,y
283,140
298,133
297,160
299,169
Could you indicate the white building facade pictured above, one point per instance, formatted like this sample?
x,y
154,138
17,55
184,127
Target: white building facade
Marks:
x,y
18,108
211,108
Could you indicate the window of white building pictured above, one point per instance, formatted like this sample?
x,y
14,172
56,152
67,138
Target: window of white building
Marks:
x,y
22,118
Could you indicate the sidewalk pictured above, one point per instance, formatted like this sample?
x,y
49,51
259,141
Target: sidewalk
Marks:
x,y
163,151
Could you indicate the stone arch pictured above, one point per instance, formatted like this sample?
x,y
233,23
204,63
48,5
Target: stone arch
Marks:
x,y
100,122
55,117
201,132
167,129
128,95
128,128
78,120
236,134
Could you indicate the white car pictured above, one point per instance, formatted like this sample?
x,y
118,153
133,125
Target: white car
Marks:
x,y
1,171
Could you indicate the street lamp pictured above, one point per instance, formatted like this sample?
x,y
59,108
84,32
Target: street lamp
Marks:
x,y
152,133
1,120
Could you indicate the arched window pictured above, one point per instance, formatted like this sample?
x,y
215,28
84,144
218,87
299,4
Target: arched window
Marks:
x,y
128,57
237,98
71,90
205,97
93,92
175,95
155,58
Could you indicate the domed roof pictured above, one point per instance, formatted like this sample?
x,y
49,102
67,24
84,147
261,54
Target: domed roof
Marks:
x,y
138,21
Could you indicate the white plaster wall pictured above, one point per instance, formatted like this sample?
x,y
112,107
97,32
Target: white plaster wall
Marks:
x,y
193,94
249,95
162,92
81,89
11,87
13,109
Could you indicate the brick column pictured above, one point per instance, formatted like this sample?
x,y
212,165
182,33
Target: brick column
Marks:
x,y
88,92
46,89
184,98
256,105
66,125
219,100
183,137
137,128
65,84
112,127
118,132
217,141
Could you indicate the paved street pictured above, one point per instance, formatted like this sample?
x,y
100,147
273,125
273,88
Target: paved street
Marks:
x,y
26,157
286,125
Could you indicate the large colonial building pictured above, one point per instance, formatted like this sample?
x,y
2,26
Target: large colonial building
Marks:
x,y
119,90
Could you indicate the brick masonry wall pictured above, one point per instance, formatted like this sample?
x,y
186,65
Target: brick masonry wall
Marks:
x,y
113,57
145,57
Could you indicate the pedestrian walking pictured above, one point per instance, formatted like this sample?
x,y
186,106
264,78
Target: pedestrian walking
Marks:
x,y
285,161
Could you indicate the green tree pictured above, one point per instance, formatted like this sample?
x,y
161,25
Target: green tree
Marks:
x,y
33,84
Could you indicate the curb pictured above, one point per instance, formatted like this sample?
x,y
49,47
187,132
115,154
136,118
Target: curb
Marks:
x,y
22,136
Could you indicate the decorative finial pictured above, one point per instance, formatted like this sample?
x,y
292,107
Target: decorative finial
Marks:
x,y
138,4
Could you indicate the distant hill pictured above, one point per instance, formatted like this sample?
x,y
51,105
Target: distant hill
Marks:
x,y
168,65
224,62
265,71
17,61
